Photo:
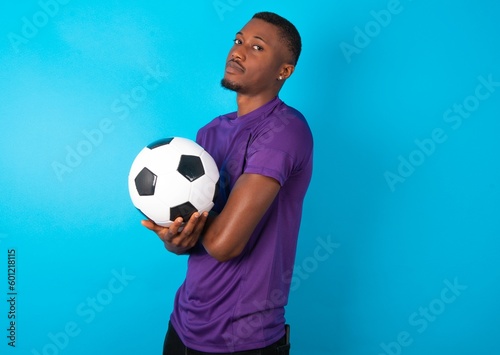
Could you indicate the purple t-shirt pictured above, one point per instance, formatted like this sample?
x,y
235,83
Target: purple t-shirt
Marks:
x,y
239,304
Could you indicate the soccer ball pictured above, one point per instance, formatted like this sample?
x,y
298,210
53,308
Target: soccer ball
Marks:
x,y
171,178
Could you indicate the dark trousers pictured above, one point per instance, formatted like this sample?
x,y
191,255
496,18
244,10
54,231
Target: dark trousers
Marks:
x,y
174,346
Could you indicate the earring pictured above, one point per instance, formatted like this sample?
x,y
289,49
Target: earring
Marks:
x,y
280,78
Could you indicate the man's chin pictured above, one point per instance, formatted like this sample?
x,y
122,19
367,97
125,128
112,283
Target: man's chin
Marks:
x,y
230,85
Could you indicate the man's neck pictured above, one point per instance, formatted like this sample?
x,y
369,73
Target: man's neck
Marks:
x,y
247,104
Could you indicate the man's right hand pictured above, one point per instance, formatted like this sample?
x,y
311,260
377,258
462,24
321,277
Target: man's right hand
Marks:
x,y
177,238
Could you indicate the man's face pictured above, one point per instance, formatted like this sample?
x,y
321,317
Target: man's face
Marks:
x,y
254,61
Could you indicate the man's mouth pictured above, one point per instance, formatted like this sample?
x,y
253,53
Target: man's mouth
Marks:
x,y
232,65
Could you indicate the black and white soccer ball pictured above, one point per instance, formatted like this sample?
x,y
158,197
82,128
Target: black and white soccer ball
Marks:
x,y
171,178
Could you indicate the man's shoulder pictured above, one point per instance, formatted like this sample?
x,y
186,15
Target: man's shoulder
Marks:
x,y
289,119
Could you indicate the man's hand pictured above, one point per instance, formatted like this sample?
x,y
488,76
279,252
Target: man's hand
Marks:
x,y
176,239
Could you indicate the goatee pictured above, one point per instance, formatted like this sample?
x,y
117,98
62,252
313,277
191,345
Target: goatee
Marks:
x,y
230,85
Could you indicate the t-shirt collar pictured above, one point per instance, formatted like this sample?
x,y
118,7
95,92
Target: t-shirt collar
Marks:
x,y
263,110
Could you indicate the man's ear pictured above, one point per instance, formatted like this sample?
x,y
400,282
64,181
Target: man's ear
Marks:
x,y
286,71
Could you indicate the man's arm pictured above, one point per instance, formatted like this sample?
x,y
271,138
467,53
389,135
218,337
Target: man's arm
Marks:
x,y
226,235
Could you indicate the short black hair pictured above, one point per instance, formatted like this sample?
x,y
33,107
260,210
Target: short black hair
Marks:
x,y
289,33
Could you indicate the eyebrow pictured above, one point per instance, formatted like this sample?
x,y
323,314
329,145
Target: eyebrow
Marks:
x,y
257,37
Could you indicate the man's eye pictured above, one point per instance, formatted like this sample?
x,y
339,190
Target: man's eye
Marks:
x,y
257,47
237,41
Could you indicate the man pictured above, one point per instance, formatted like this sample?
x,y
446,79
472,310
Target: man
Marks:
x,y
241,257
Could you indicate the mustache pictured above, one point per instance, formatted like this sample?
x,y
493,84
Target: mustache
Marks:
x,y
235,64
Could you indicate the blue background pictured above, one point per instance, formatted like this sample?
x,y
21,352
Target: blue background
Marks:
x,y
407,222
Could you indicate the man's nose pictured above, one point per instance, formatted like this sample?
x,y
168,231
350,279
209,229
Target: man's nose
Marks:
x,y
238,53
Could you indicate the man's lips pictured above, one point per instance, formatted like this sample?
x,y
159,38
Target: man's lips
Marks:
x,y
232,66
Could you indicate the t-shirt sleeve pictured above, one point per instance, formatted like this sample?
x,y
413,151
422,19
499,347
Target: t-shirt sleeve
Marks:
x,y
279,150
